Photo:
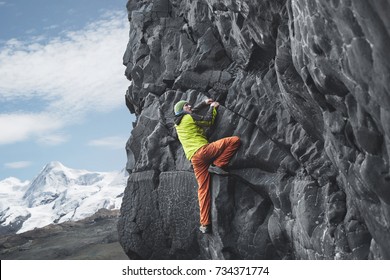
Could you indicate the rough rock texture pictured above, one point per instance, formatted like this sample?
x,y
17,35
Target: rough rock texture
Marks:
x,y
305,84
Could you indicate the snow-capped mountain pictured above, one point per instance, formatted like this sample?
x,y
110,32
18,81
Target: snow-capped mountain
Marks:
x,y
56,195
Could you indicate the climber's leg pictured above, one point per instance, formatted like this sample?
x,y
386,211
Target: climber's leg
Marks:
x,y
221,151
201,164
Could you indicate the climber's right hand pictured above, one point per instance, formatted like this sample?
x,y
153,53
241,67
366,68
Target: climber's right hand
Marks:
x,y
214,104
208,101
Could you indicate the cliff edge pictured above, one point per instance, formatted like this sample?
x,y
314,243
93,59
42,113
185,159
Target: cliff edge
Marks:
x,y
305,85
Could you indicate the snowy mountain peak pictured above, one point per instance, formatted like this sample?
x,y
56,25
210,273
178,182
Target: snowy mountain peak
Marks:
x,y
52,180
54,165
55,178
59,194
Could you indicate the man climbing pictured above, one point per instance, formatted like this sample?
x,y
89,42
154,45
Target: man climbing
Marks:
x,y
205,157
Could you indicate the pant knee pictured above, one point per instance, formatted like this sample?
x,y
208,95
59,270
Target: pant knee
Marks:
x,y
236,140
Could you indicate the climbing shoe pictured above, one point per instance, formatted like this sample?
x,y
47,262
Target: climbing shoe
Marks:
x,y
217,170
205,229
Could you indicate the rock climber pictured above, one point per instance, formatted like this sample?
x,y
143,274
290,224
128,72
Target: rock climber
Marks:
x,y
205,157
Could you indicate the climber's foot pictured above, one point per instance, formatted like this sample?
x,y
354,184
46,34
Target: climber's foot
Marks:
x,y
217,170
205,229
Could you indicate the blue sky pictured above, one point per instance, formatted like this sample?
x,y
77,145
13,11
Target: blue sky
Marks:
x,y
62,85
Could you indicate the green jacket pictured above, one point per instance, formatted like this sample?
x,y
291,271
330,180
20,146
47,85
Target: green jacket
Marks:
x,y
191,129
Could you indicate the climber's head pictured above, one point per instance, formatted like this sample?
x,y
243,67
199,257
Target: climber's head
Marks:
x,y
182,107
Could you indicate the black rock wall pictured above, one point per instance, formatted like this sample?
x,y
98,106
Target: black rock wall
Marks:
x,y
305,84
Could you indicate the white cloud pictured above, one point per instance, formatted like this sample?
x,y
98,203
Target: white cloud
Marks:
x,y
53,26
74,74
20,126
17,164
112,142
84,68
53,139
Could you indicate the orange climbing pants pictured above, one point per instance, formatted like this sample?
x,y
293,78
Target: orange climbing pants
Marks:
x,y
218,153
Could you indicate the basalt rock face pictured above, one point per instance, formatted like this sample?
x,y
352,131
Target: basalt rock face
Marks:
x,y
305,85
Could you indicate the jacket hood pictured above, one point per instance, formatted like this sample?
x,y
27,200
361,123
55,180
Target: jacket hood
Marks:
x,y
178,118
